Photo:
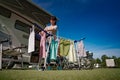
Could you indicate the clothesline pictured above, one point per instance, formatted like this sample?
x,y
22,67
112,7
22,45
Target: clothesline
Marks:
x,y
59,37
42,29
64,38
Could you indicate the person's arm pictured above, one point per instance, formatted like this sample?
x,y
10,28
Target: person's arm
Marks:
x,y
51,28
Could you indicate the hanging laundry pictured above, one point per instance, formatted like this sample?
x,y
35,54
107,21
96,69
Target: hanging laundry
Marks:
x,y
72,55
76,49
42,53
31,40
53,49
81,50
64,47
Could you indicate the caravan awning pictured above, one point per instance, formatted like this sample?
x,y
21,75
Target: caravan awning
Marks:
x,y
28,10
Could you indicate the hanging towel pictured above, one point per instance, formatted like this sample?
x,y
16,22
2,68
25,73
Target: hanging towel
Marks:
x,y
53,49
76,49
31,40
74,53
64,47
81,50
71,55
42,53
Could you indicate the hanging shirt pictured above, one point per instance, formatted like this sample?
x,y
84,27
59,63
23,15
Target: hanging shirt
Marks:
x,y
31,42
42,53
81,50
64,47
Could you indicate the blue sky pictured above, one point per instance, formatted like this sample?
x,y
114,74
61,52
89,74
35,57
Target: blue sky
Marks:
x,y
97,20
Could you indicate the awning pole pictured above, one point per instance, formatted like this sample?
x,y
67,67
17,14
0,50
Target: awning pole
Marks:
x,y
0,56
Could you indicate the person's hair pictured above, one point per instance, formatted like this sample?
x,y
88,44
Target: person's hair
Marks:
x,y
53,18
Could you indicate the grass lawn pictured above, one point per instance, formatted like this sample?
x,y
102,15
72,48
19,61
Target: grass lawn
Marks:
x,y
95,74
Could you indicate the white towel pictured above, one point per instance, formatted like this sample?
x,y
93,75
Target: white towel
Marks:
x,y
31,42
71,55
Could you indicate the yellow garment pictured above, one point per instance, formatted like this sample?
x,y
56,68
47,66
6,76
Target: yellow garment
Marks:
x,y
72,55
64,47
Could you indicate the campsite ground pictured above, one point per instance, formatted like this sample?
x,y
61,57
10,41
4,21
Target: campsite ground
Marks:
x,y
95,74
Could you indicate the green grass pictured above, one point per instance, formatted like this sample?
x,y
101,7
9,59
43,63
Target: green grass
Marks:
x,y
95,74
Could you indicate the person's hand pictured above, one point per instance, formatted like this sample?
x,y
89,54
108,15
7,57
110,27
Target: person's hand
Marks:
x,y
46,29
41,33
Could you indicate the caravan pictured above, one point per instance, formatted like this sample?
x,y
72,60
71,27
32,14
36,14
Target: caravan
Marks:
x,y
16,19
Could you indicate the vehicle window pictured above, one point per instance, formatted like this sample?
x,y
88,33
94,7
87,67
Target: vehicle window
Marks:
x,y
3,36
22,26
5,12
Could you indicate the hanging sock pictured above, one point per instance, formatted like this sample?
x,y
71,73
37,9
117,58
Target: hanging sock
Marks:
x,y
42,53
31,40
53,49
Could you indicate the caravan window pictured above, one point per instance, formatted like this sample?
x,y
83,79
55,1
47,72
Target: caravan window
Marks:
x,y
5,12
22,26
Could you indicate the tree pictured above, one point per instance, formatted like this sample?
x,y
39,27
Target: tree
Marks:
x,y
103,58
98,61
117,62
114,57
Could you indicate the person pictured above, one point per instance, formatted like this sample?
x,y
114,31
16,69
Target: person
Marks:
x,y
52,29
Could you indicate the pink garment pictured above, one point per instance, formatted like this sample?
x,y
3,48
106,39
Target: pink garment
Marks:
x,y
81,49
42,53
